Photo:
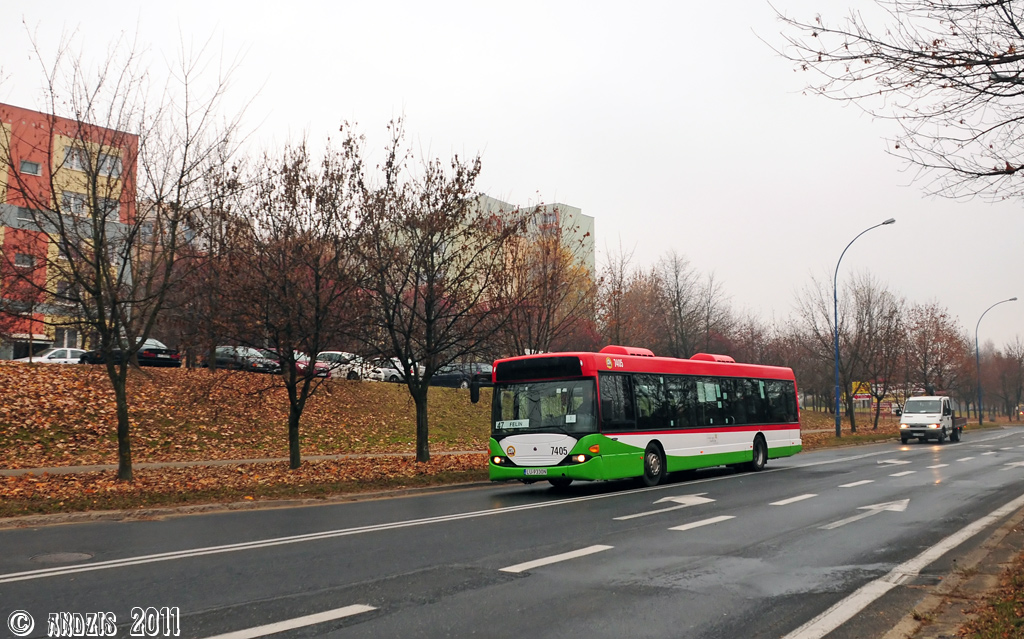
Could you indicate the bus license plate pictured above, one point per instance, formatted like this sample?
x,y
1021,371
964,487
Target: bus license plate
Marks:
x,y
535,471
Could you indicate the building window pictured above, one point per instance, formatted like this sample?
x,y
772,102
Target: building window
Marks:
x,y
110,209
24,260
73,203
65,338
76,159
110,165
31,168
67,293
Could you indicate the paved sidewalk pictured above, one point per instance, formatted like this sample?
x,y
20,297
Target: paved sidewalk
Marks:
x,y
67,470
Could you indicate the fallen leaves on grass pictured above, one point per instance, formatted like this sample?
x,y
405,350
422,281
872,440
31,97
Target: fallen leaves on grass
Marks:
x,y
1002,615
46,493
65,415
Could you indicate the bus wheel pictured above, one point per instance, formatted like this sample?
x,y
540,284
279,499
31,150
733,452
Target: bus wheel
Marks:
x,y
654,465
760,455
560,482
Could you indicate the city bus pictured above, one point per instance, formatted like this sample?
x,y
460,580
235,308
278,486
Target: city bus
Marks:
x,y
624,413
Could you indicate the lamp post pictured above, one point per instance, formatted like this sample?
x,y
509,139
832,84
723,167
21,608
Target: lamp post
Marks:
x,y
977,353
835,309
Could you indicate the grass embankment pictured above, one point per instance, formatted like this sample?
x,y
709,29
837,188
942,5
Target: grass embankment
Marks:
x,y
65,416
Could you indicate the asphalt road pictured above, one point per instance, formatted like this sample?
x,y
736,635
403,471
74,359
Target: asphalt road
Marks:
x,y
832,543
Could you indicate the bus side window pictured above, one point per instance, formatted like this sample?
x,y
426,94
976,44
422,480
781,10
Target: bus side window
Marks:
x,y
652,409
616,403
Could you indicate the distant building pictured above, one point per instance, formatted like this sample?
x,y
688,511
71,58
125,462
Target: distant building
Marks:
x,y
52,166
575,229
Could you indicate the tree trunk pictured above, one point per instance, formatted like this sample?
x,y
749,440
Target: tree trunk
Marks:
x,y
294,454
878,412
419,396
124,444
850,411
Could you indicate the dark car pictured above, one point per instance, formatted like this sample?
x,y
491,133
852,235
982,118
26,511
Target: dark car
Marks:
x,y
462,375
152,353
244,358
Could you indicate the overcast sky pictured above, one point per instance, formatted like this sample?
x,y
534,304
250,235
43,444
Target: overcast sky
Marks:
x,y
671,123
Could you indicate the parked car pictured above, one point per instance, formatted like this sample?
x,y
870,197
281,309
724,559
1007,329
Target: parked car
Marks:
x,y
152,353
54,356
244,358
320,369
462,375
345,365
386,370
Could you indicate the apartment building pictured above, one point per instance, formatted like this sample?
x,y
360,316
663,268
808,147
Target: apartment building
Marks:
x,y
58,177
574,229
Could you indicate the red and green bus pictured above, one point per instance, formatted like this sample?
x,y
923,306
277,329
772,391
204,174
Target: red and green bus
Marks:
x,y
623,413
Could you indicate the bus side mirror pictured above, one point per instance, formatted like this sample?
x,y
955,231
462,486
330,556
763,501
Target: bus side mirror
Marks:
x,y
474,390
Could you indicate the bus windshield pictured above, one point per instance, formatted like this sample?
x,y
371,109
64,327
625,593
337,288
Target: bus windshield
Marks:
x,y
564,406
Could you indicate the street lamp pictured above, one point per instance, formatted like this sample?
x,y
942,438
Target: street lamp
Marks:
x,y
835,308
977,353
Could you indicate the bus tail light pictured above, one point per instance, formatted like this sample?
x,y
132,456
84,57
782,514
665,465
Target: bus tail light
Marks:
x,y
595,449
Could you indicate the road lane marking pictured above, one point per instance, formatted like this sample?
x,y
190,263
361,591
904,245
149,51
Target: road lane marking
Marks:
x,y
682,501
212,550
991,452
845,609
703,522
857,483
1007,448
1012,465
792,500
565,556
939,466
894,461
903,474
298,622
874,509
966,459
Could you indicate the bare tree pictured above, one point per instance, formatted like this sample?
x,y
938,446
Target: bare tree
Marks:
x,y
433,261
547,274
815,310
880,317
681,298
938,351
121,178
948,71
294,277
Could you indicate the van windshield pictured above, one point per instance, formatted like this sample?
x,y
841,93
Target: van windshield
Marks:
x,y
923,406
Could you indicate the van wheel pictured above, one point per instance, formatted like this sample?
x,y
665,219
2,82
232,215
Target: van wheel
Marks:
x,y
955,435
760,455
654,465
904,440
560,482
942,436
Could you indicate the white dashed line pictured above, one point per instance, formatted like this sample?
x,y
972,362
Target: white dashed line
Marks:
x,y
903,474
991,452
298,622
939,466
858,483
966,459
554,559
792,500
703,522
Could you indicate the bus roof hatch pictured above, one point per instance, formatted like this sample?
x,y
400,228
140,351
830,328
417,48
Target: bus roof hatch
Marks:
x,y
627,350
710,357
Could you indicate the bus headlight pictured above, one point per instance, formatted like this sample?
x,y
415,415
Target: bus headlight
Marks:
x,y
580,459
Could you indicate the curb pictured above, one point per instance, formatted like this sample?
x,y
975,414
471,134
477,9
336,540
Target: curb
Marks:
x,y
150,514
941,613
